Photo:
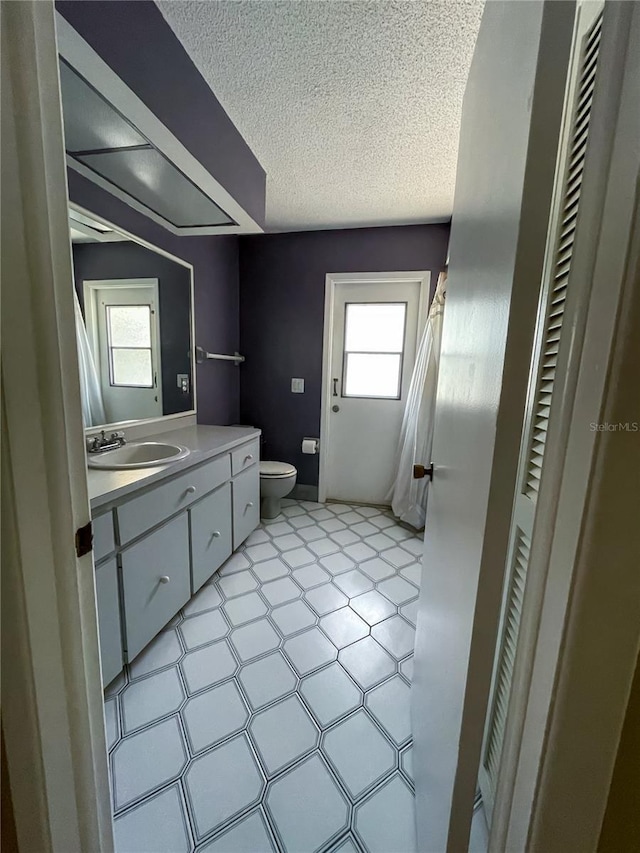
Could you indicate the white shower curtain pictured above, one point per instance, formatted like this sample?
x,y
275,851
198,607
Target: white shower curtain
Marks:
x,y
93,412
408,496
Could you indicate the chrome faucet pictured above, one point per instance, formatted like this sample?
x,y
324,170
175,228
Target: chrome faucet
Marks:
x,y
100,444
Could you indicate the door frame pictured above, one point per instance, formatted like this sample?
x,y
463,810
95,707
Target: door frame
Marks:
x,y
332,280
580,631
90,289
53,711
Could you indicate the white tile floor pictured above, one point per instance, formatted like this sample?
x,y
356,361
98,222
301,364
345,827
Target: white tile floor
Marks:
x,y
272,714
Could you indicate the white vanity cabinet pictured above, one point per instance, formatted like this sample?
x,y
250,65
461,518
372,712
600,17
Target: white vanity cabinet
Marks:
x,y
168,540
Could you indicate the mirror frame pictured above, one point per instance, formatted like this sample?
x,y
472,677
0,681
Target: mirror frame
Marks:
x,y
192,326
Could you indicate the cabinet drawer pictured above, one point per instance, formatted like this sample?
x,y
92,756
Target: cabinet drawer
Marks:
x,y
246,504
108,604
211,542
155,582
103,537
144,512
245,456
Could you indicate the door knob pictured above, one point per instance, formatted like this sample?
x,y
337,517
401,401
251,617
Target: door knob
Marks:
x,y
165,579
335,408
215,534
191,490
420,471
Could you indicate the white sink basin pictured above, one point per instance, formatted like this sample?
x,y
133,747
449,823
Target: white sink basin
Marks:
x,y
138,454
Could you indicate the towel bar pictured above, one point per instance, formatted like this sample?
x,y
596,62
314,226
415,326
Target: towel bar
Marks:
x,y
203,355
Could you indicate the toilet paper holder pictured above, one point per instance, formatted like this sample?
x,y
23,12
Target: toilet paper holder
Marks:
x,y
310,445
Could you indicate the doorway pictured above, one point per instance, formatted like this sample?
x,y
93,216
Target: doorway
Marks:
x,y
123,325
372,322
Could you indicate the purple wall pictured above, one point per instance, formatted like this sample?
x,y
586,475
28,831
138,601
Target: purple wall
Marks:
x,y
215,263
282,317
134,39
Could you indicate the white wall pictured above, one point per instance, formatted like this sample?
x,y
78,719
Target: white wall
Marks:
x,y
510,122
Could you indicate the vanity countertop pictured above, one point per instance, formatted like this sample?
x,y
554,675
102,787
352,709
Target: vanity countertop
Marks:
x,y
204,442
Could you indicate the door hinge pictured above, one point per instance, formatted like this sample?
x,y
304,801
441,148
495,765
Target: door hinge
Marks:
x,y
84,540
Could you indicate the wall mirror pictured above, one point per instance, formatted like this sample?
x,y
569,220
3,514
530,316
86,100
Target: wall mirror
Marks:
x,y
134,326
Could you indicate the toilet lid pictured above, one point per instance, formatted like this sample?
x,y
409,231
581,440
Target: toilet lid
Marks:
x,y
276,469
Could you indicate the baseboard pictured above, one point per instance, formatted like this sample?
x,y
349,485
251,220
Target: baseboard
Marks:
x,y
304,493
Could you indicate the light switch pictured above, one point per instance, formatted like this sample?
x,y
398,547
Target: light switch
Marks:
x,y
297,386
183,382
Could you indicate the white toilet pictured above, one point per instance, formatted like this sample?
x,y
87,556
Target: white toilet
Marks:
x,y
277,479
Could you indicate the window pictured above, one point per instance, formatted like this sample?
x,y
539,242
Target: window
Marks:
x,y
373,349
129,342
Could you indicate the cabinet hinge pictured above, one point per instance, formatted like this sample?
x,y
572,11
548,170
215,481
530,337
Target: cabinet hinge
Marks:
x,y
84,540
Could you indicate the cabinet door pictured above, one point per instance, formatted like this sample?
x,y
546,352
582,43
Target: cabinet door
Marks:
x,y
155,582
210,535
109,630
246,504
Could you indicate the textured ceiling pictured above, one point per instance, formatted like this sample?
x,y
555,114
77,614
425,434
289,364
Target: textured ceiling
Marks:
x,y
352,108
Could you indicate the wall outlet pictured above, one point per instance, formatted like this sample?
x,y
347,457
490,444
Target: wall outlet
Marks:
x,y
297,386
183,382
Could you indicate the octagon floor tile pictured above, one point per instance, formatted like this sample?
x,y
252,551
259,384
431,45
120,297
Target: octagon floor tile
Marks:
x,y
385,821
307,807
330,694
214,715
267,679
283,733
359,753
208,665
309,651
222,783
158,824
134,775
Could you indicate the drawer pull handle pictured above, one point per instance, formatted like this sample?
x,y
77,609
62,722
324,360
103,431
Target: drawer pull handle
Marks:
x,y
165,579
191,490
248,458
215,534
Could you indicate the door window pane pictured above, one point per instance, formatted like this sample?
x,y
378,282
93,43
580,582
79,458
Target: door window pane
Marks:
x,y
131,367
129,341
373,349
129,325
372,375
374,327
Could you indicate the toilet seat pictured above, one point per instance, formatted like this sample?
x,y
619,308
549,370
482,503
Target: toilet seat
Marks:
x,y
277,470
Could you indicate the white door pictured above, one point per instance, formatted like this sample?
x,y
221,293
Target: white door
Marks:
x,y
123,322
553,328
374,327
501,204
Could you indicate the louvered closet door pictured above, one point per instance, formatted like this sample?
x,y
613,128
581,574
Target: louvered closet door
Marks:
x,y
548,339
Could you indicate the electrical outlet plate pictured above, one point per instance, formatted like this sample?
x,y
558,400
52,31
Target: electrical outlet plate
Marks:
x,y
183,382
297,386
